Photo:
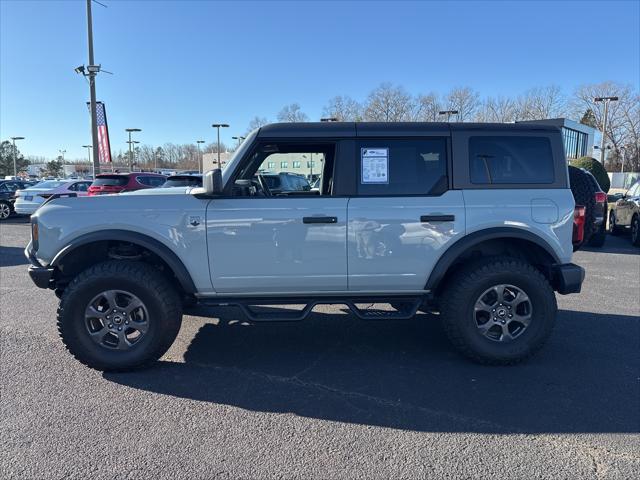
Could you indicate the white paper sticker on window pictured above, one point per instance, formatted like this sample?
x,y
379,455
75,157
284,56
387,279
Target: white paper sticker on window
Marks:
x,y
375,165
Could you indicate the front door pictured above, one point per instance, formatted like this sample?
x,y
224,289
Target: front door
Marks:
x,y
275,233
403,217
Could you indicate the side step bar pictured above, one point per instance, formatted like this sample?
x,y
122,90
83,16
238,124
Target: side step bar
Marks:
x,y
412,304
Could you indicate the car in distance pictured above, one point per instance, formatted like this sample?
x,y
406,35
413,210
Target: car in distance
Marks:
x,y
474,221
31,198
109,183
8,189
183,180
625,214
284,182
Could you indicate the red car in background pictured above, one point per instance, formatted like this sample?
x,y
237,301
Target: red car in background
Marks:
x,y
108,183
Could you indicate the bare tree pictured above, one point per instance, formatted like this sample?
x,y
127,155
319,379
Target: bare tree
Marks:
x,y
427,108
497,109
542,102
292,113
389,104
344,108
622,119
256,122
465,100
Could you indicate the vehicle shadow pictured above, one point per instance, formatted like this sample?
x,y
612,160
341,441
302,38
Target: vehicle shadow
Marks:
x,y
12,256
615,244
406,376
13,219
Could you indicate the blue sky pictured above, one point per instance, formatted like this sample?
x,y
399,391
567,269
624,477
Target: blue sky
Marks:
x,y
181,65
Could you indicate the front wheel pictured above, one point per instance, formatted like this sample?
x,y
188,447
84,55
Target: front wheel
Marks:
x,y
119,315
614,229
498,311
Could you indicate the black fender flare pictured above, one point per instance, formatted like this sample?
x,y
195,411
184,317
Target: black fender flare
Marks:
x,y
153,245
468,241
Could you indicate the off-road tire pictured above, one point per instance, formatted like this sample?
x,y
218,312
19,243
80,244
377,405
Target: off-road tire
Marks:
x,y
614,228
5,210
635,230
463,289
145,282
584,194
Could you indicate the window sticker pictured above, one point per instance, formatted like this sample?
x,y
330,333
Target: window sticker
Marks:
x,y
375,165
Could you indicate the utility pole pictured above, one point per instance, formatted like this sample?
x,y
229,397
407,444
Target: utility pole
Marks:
x,y
218,126
89,147
130,142
15,155
606,101
200,162
92,72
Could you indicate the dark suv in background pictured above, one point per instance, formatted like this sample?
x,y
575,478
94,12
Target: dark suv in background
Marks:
x,y
108,183
7,195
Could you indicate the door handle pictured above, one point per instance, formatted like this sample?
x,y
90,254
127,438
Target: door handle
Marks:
x,y
319,219
437,218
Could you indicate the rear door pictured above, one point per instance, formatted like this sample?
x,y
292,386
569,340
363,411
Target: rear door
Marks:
x,y
403,216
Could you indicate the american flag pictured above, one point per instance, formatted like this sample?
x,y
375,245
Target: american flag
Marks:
x,y
104,148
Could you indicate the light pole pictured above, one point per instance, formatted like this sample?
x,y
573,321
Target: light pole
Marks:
x,y
606,101
239,139
448,113
89,147
218,126
623,153
200,163
15,155
130,142
132,149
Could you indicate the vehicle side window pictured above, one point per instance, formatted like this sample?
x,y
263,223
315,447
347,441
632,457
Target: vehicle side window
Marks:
x,y
81,186
3,187
510,160
287,168
11,186
401,166
151,181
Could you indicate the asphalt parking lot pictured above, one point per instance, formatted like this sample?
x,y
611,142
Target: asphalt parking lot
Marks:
x,y
332,397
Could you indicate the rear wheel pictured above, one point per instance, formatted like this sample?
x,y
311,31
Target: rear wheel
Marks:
x,y
498,311
119,315
635,230
5,210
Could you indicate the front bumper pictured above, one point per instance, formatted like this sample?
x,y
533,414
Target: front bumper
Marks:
x,y
567,278
41,276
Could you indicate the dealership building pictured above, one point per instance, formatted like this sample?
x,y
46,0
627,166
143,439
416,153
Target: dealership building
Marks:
x,y
578,138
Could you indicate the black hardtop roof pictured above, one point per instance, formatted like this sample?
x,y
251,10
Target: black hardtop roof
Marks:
x,y
364,129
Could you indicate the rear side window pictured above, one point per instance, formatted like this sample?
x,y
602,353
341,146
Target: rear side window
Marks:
x,y
110,180
151,181
510,160
401,167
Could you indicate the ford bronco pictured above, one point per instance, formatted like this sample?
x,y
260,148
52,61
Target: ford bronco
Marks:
x,y
473,222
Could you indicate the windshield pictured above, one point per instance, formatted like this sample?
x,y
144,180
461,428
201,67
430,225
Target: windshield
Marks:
x,y
238,154
49,184
110,181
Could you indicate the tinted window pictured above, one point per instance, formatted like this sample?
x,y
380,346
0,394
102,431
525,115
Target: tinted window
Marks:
x,y
151,181
510,160
186,181
50,184
110,180
402,167
80,186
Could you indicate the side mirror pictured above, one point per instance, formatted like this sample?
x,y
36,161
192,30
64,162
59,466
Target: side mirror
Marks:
x,y
212,182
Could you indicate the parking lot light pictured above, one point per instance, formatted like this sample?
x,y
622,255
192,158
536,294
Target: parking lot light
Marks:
x,y
218,126
15,154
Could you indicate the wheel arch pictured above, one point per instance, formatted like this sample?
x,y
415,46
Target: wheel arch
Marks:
x,y
493,241
100,240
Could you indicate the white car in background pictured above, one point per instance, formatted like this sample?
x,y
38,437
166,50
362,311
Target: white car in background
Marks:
x,y
29,199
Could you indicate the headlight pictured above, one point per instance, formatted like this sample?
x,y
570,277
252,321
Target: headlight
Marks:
x,y
34,234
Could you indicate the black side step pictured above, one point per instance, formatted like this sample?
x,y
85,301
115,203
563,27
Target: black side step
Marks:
x,y
285,315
